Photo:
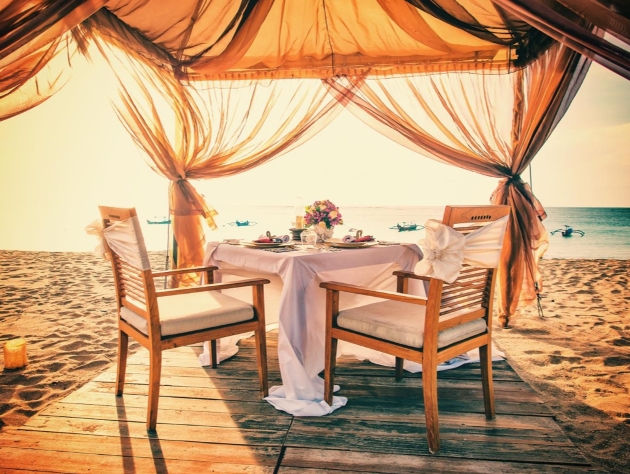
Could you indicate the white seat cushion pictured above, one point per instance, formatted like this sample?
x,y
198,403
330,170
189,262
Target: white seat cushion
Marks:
x,y
193,312
403,323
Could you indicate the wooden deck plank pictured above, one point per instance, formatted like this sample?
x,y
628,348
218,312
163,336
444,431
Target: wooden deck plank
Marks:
x,y
140,447
376,402
125,413
71,462
223,372
198,382
477,442
214,419
179,432
316,461
467,371
235,394
90,395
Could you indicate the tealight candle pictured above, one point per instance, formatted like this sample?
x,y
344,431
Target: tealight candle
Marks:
x,y
299,222
15,354
298,210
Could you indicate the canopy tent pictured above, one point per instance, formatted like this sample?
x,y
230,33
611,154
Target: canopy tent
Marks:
x,y
467,82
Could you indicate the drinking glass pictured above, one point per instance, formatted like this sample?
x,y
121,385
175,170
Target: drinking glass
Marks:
x,y
308,238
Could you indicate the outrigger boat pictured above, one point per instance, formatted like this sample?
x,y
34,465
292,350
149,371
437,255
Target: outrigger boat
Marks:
x,y
568,231
242,223
159,220
406,226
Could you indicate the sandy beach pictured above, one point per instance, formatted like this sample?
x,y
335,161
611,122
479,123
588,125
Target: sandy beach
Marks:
x,y
577,357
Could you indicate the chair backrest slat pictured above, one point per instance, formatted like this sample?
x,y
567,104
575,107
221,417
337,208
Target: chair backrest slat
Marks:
x,y
132,278
463,301
468,270
136,294
474,305
473,215
458,285
455,296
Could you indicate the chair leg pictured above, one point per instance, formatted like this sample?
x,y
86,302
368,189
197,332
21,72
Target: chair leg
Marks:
x,y
261,353
485,360
213,354
329,369
429,390
123,345
399,368
155,371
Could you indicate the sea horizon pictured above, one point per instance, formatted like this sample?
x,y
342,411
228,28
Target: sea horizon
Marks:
x,y
606,229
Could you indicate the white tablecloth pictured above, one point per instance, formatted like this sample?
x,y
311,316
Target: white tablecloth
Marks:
x,y
295,303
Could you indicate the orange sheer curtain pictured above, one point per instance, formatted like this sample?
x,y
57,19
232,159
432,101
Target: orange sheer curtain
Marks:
x,y
35,50
211,130
33,78
489,124
571,23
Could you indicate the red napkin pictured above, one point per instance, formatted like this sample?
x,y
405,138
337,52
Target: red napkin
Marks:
x,y
365,238
263,241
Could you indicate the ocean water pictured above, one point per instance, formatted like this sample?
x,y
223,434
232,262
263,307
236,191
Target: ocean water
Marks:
x,y
606,230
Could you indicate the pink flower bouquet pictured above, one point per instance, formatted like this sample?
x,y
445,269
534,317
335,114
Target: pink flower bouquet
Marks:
x,y
323,214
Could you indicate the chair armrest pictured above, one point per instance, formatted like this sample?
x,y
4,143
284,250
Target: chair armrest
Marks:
x,y
179,271
213,287
359,290
405,274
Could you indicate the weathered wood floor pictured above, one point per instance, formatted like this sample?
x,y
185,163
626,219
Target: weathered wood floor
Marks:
x,y
213,421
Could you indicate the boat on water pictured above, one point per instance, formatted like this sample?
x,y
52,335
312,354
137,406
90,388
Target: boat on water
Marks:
x,y
242,223
159,220
568,231
407,226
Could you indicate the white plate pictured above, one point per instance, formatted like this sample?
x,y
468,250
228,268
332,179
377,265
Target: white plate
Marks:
x,y
350,245
262,245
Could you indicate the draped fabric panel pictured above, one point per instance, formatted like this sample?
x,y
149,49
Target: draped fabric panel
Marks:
x,y
32,79
572,26
613,16
36,48
207,130
489,124
27,25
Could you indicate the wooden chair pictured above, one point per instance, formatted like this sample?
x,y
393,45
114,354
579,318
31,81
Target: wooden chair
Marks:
x,y
453,319
165,319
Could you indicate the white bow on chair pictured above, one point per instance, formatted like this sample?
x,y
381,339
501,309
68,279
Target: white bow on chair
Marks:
x,y
125,238
446,250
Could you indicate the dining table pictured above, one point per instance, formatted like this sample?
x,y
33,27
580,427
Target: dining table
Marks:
x,y
295,305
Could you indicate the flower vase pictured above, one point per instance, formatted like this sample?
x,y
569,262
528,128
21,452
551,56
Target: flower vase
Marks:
x,y
323,233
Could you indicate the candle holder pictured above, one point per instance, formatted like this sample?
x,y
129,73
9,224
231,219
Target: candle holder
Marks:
x,y
296,233
15,354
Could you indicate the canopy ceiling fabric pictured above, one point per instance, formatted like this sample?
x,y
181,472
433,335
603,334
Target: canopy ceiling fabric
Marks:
x,y
305,38
323,38
318,38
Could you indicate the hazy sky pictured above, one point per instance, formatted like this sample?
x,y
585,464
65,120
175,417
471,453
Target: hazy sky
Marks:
x,y
67,156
